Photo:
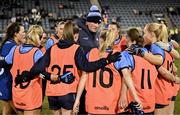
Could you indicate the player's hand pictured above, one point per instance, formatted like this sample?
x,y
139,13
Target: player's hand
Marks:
x,y
67,78
113,57
123,102
177,80
76,107
139,104
54,79
134,108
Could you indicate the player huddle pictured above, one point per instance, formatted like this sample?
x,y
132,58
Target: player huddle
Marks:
x,y
131,73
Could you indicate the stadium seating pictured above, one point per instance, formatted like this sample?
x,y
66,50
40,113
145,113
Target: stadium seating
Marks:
x,y
123,9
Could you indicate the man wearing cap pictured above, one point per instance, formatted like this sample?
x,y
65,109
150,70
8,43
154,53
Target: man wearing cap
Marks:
x,y
89,28
88,38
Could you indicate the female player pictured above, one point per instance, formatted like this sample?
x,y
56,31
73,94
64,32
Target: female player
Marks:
x,y
27,97
169,48
54,38
15,35
120,42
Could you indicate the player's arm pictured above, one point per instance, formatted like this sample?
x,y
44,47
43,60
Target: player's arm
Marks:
x,y
41,65
39,68
169,47
80,90
83,64
155,56
123,102
174,53
174,69
154,59
168,75
128,81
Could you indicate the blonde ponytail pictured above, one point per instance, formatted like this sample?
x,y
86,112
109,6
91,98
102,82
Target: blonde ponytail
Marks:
x,y
108,38
163,36
160,30
34,35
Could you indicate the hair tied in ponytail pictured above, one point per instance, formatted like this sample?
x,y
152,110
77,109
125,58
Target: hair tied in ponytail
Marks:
x,y
161,27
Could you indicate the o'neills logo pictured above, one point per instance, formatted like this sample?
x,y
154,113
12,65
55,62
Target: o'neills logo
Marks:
x,y
21,104
102,108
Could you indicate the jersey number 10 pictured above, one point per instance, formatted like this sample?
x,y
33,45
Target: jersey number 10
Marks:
x,y
101,77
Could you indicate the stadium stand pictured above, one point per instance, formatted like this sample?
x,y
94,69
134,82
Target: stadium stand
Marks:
x,y
129,13
139,12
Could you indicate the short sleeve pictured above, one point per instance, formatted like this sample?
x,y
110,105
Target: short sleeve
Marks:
x,y
123,63
9,57
49,43
156,50
38,54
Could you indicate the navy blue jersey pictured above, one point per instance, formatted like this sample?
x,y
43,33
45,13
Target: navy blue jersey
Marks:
x,y
5,74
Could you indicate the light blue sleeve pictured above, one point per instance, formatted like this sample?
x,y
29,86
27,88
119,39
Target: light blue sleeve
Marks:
x,y
9,57
156,50
123,63
49,43
38,54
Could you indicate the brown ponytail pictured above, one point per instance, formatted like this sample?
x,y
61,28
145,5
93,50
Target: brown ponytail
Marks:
x,y
134,35
69,30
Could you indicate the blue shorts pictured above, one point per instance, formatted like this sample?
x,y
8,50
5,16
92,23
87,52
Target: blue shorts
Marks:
x,y
65,102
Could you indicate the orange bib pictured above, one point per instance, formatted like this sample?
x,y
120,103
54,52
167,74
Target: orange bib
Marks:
x,y
163,87
31,97
121,46
103,88
144,76
61,61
